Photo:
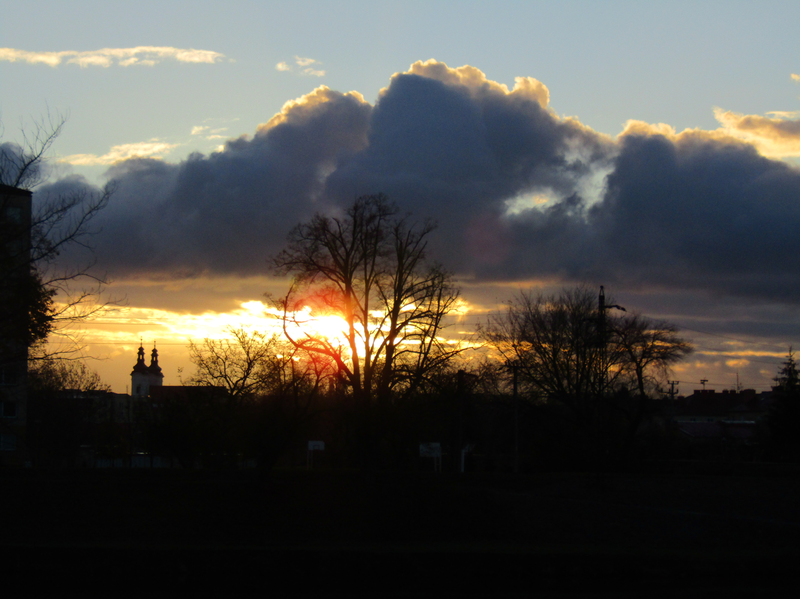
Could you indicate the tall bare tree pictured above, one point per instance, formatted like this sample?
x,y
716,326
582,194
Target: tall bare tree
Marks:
x,y
24,165
567,350
648,349
371,268
556,345
59,296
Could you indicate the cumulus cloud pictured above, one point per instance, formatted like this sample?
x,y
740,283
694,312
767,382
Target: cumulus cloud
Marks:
x,y
226,212
106,57
456,146
519,192
688,212
778,136
153,148
305,66
475,82
795,77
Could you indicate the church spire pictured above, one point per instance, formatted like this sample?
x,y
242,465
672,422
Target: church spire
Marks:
x,y
144,377
140,366
154,367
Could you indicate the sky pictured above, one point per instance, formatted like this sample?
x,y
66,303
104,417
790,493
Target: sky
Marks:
x,y
648,147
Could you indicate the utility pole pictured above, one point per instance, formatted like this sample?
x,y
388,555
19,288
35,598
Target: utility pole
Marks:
x,y
601,331
703,382
516,420
461,386
672,391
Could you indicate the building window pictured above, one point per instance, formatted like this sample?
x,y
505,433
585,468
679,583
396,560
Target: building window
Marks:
x,y
8,442
14,214
8,375
8,409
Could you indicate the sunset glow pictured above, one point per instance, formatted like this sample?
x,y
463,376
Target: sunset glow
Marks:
x,y
114,335
660,179
332,327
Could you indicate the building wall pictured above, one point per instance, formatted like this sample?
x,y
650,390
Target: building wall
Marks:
x,y
15,255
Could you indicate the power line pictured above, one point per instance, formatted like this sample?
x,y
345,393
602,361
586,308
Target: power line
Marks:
x,y
707,383
160,343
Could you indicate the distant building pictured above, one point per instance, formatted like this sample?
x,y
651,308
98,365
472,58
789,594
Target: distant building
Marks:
x,y
157,426
721,421
144,377
15,265
71,427
708,406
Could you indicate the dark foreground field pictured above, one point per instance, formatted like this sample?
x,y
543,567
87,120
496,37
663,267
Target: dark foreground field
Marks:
x,y
322,534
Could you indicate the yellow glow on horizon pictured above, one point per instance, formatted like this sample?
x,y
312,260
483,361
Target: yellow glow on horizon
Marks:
x,y
331,327
127,325
111,338
461,308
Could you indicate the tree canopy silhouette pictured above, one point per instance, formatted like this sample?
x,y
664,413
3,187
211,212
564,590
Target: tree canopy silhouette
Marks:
x,y
370,268
601,368
58,220
249,363
783,421
569,349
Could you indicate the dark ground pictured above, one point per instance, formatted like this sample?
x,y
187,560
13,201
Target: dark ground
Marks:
x,y
322,534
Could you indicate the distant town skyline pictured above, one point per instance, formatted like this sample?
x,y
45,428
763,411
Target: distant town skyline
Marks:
x,y
651,148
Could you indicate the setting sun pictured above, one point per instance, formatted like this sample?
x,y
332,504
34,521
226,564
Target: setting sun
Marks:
x,y
332,327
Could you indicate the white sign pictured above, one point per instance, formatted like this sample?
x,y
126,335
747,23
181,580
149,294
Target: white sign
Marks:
x,y
316,446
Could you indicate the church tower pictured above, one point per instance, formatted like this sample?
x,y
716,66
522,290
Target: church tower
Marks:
x,y
143,377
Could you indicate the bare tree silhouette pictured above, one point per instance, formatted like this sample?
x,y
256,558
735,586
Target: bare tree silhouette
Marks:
x,y
370,268
57,222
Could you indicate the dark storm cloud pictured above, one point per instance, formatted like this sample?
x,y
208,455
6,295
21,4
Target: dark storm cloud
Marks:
x,y
451,145
700,212
228,211
693,211
505,177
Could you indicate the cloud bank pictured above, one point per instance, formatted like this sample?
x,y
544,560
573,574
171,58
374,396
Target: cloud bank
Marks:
x,y
776,137
143,149
106,57
519,192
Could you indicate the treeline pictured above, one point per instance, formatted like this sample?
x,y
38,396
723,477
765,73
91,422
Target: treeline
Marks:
x,y
364,364
256,401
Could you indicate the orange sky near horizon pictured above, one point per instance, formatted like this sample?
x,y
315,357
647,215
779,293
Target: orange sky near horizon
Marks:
x,y
110,341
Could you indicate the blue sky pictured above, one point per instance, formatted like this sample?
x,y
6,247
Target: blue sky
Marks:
x,y
604,63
